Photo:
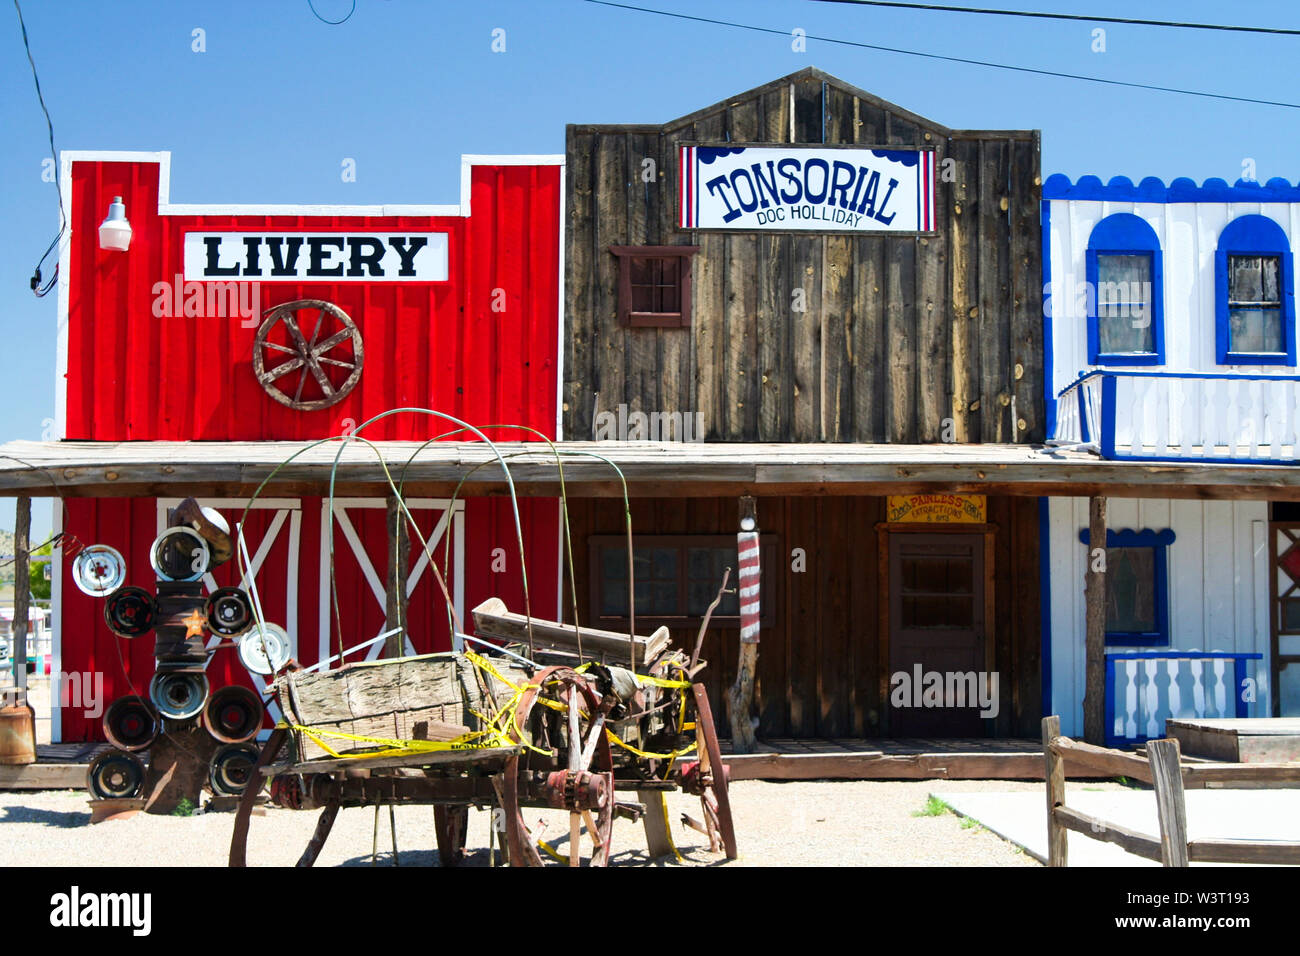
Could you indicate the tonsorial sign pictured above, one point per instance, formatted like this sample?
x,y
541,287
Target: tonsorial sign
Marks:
x,y
784,188
339,256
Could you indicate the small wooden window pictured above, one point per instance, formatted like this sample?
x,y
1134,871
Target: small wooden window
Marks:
x,y
654,285
1255,304
677,577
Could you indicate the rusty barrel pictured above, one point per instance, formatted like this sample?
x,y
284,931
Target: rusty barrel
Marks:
x,y
17,733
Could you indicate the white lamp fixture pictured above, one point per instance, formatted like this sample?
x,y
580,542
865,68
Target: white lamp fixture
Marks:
x,y
747,523
115,231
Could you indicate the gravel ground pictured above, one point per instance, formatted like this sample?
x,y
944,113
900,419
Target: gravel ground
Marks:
x,y
848,823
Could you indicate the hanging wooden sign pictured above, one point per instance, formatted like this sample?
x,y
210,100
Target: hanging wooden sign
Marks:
x,y
938,509
806,189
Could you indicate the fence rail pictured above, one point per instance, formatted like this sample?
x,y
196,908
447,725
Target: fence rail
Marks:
x,y
1162,767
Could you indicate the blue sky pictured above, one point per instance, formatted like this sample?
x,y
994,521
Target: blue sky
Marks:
x,y
404,87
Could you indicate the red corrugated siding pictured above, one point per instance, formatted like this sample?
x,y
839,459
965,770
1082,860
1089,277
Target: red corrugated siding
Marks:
x,y
134,376
131,524
441,345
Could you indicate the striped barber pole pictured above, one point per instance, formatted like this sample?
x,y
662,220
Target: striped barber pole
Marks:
x,y
748,551
925,192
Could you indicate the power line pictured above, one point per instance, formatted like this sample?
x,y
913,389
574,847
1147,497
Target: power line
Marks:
x,y
953,59
944,8
37,286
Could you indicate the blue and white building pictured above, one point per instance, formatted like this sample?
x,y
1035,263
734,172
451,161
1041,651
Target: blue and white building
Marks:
x,y
1170,336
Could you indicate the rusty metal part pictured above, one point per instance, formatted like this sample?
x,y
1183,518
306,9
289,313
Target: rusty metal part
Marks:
x,y
324,824
17,734
715,799
131,723
231,769
576,790
308,355
704,624
210,525
233,714
229,612
178,695
115,775
239,836
130,611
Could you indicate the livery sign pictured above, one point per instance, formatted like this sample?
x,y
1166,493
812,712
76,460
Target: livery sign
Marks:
x,y
801,188
282,256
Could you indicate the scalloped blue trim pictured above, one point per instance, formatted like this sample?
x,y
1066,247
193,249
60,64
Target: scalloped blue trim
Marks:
x,y
1153,189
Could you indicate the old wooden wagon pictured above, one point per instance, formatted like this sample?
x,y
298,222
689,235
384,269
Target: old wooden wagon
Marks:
x,y
570,718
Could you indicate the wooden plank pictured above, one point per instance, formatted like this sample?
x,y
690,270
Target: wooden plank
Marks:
x,y
1054,770
436,758
1104,831
807,275
1171,808
1280,853
933,360
22,597
493,619
1202,774
1025,315
880,766
901,337
581,380
1094,697
43,776
962,221
1113,763
994,293
610,342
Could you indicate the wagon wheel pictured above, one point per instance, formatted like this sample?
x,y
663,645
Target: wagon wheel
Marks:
x,y
331,330
589,765
712,778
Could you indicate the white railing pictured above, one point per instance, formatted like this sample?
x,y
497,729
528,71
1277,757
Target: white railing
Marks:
x,y
1198,417
1146,688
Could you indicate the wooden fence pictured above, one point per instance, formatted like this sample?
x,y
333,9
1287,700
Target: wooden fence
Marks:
x,y
1163,769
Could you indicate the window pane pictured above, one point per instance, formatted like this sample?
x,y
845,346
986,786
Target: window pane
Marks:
x,y
656,284
924,611
704,567
1123,279
1291,614
1124,295
1255,330
1270,277
1130,590
1244,280
1288,689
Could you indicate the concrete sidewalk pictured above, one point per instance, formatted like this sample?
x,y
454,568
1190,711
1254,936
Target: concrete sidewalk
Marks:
x,y
1021,818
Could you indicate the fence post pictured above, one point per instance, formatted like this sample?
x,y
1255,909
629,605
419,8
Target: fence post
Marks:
x,y
1167,777
1057,848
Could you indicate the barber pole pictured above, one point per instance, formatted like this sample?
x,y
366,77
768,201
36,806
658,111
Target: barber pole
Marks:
x,y
747,548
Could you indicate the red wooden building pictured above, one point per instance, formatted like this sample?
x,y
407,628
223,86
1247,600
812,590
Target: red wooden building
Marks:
x,y
454,308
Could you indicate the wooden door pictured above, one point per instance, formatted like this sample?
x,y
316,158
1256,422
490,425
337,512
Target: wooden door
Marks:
x,y
936,621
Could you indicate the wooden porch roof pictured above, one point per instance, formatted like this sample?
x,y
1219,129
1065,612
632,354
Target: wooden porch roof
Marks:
x,y
661,469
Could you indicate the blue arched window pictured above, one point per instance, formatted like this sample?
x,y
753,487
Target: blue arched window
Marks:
x,y
1254,300
1125,305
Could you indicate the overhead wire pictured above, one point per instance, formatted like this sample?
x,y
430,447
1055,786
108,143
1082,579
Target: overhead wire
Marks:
x,y
1060,74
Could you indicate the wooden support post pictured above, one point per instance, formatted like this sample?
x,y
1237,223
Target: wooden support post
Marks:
x,y
1094,697
1057,847
740,698
399,553
22,592
1171,807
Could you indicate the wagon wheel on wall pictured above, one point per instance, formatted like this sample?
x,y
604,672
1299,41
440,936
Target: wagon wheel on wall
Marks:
x,y
326,369
707,777
550,713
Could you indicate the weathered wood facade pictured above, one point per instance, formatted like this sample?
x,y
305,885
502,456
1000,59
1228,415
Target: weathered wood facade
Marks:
x,y
897,333
823,670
